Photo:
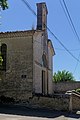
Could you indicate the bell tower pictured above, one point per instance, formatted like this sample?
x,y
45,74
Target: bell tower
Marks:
x,y
41,16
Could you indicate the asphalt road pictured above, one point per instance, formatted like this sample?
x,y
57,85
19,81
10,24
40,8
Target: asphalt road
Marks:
x,y
8,112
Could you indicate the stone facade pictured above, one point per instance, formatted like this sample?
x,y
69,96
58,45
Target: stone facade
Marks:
x,y
17,80
26,75
24,65
26,60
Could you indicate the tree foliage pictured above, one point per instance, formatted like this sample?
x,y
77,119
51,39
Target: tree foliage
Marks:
x,y
1,60
3,4
62,76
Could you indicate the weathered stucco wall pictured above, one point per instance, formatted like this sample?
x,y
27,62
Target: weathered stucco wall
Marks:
x,y
37,62
50,70
62,87
17,81
50,83
38,79
40,47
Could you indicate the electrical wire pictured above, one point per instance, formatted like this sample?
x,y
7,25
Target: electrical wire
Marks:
x,y
76,64
62,45
67,17
28,5
69,49
68,13
72,27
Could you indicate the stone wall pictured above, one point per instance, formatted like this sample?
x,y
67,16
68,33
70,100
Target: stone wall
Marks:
x,y
75,102
17,81
64,102
62,87
56,103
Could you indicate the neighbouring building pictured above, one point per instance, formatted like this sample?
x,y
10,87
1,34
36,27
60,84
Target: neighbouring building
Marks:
x,y
27,60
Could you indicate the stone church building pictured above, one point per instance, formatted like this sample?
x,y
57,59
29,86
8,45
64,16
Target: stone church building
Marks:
x,y
27,60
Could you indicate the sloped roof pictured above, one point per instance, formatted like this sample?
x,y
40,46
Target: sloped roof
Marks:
x,y
18,33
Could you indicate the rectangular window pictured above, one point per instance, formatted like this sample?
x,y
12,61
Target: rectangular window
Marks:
x,y
23,76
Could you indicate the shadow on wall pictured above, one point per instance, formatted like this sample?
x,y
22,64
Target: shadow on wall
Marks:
x,y
4,100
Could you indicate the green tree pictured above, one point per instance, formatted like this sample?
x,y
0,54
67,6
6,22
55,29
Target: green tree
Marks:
x,y
3,4
1,60
62,76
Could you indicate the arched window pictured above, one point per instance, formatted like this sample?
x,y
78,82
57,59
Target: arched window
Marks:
x,y
3,54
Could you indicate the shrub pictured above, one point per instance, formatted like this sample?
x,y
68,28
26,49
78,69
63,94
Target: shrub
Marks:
x,y
78,90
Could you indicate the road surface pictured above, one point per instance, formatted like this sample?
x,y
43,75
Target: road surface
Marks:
x,y
24,113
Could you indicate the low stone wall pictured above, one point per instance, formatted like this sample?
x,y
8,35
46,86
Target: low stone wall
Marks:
x,y
62,102
12,97
75,102
62,87
55,103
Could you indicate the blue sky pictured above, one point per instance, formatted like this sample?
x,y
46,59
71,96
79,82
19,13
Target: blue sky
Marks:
x,y
19,17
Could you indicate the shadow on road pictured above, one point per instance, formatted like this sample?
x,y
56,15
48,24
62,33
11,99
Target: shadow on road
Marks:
x,y
24,111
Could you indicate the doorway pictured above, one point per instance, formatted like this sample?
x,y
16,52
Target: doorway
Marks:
x,y
43,82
